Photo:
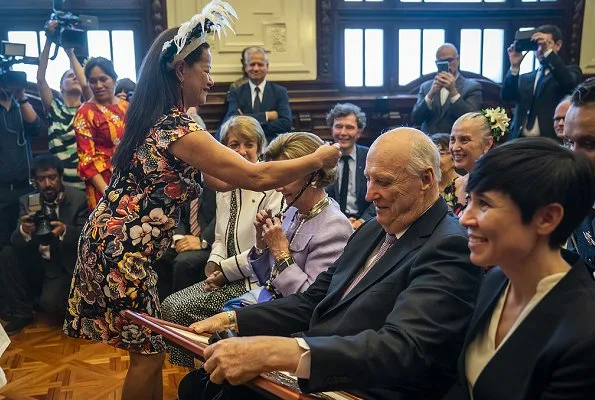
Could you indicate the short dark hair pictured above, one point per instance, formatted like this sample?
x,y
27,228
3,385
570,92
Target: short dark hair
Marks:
x,y
441,139
552,30
103,63
46,161
343,110
536,172
125,85
584,93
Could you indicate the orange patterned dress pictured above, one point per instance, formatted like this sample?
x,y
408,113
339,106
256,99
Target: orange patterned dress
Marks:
x,y
98,130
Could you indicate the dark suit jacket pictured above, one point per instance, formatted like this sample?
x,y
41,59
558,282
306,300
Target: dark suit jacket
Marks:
x,y
274,98
551,354
519,88
73,212
439,118
398,333
206,216
365,210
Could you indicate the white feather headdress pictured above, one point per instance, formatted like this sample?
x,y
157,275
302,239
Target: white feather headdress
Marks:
x,y
215,17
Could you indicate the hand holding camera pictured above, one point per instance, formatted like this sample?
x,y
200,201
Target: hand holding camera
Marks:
x,y
27,224
59,228
259,224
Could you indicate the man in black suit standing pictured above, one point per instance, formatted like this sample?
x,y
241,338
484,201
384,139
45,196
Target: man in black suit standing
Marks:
x,y
38,264
446,97
347,121
387,320
579,130
267,102
538,93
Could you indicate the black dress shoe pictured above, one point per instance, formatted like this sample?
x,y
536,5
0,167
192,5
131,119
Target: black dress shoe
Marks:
x,y
16,325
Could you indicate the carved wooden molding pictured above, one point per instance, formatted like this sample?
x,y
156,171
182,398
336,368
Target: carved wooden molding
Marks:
x,y
326,32
158,17
576,30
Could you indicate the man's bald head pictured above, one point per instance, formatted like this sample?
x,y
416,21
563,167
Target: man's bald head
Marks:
x,y
448,52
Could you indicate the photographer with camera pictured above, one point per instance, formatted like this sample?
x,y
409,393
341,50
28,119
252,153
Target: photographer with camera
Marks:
x,y
537,93
60,112
38,265
18,123
449,95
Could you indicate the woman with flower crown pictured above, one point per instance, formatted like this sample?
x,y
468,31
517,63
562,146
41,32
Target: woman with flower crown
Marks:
x,y
472,135
157,168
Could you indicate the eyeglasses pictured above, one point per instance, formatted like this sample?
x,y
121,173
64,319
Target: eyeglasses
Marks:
x,y
448,60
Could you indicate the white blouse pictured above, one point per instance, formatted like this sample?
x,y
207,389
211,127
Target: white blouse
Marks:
x,y
483,347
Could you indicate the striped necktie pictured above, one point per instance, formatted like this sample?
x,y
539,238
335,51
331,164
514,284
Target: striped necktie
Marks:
x,y
194,223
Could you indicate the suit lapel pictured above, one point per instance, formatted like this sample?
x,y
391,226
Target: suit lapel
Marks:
x,y
544,81
267,97
246,96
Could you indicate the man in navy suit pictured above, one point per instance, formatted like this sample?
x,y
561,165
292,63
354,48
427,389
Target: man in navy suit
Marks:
x,y
538,93
446,97
267,102
347,121
388,319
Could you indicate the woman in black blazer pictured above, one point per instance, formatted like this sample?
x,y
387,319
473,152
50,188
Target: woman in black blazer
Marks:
x,y
532,335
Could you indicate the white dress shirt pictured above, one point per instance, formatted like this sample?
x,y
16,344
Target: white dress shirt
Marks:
x,y
253,92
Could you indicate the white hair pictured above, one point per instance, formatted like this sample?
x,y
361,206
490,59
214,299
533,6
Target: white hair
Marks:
x,y
424,154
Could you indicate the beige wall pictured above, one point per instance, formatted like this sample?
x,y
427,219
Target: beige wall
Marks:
x,y
286,28
587,60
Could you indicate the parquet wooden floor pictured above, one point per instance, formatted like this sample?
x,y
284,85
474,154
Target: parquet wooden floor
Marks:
x,y
42,363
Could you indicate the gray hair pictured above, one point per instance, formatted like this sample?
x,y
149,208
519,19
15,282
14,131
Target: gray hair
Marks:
x,y
343,110
424,154
248,51
482,122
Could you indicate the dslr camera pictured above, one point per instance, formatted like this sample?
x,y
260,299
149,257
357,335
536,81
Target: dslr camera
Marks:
x,y
10,54
523,42
41,214
71,30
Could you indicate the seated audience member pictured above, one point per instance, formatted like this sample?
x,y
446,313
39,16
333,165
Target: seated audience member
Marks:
x,y
258,98
447,164
347,122
559,116
227,270
39,263
60,112
184,264
473,134
125,89
537,93
448,96
532,328
579,130
387,320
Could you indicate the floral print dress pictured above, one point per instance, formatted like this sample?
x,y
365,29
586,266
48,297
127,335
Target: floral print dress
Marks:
x,y
130,228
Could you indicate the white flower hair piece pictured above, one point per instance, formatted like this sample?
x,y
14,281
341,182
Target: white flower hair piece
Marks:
x,y
215,17
499,122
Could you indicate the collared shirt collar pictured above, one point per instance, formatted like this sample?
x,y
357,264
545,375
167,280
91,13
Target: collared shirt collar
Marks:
x,y
261,86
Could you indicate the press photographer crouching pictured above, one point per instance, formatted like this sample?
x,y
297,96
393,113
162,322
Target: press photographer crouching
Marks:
x,y
38,264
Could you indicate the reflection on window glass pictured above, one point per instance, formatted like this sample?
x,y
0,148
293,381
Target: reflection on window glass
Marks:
x,y
409,55
432,39
493,48
374,57
29,39
354,62
99,44
470,50
124,60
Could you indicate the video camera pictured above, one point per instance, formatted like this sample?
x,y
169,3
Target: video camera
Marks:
x,y
10,54
41,215
71,30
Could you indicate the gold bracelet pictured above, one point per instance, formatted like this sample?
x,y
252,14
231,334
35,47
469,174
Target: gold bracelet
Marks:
x,y
283,255
231,317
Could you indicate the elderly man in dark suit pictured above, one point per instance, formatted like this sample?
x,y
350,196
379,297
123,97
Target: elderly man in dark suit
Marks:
x,y
448,96
267,102
38,264
387,320
347,121
538,93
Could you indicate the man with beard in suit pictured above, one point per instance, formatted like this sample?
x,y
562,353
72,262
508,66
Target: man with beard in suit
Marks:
x,y
387,320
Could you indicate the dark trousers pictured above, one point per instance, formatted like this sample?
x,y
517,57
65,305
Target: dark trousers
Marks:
x,y
179,271
197,386
30,280
9,209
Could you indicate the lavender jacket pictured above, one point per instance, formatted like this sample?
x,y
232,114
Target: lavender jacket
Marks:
x,y
315,247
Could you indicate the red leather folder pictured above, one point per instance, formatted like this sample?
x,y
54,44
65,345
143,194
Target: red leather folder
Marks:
x,y
275,385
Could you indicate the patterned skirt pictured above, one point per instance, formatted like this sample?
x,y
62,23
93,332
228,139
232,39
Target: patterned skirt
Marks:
x,y
193,304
